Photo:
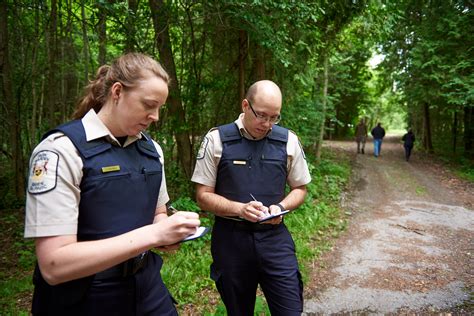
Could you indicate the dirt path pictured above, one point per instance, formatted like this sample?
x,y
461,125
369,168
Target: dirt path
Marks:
x,y
409,247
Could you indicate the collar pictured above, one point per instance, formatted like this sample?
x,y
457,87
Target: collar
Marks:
x,y
96,129
243,131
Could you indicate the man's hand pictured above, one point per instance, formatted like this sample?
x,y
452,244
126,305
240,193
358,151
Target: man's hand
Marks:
x,y
274,209
253,211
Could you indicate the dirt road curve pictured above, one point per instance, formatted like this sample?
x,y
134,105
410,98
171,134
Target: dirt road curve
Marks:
x,y
409,247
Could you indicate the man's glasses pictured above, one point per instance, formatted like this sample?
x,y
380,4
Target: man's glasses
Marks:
x,y
264,118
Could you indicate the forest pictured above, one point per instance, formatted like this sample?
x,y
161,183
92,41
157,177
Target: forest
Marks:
x,y
405,63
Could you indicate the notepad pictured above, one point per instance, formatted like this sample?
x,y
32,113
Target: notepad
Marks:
x,y
268,217
201,231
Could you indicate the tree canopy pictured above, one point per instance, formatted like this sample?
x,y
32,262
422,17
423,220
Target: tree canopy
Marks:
x,y
316,51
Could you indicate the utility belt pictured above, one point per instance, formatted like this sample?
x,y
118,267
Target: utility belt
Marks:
x,y
242,224
125,269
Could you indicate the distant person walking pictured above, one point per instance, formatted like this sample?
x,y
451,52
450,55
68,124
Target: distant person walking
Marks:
x,y
361,136
408,142
378,132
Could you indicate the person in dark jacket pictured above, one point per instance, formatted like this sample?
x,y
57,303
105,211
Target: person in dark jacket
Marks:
x,y
96,200
408,142
378,133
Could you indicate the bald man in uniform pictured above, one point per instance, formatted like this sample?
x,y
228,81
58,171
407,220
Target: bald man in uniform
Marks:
x,y
241,172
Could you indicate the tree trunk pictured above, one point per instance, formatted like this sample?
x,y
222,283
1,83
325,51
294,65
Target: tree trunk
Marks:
x,y
85,40
197,54
427,143
51,94
130,29
259,63
242,57
11,107
469,132
33,124
455,130
160,14
102,34
320,136
69,78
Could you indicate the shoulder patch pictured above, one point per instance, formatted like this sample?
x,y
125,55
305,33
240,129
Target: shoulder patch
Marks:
x,y
202,149
43,172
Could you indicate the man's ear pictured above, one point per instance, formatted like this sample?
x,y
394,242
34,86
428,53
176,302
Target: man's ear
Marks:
x,y
245,104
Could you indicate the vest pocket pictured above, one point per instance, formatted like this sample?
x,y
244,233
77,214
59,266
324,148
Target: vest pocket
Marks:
x,y
109,176
148,172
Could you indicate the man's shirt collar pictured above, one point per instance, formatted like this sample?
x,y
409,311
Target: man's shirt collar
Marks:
x,y
243,131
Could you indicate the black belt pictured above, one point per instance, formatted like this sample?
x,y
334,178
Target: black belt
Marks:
x,y
246,225
125,269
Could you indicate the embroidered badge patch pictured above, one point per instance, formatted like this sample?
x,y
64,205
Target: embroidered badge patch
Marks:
x,y
43,172
202,149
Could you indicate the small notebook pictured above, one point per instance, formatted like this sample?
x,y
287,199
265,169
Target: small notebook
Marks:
x,y
201,231
268,217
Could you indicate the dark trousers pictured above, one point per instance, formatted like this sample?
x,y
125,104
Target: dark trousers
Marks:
x,y
245,258
141,294
408,149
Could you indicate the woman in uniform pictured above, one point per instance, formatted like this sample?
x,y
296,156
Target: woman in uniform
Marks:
x,y
96,200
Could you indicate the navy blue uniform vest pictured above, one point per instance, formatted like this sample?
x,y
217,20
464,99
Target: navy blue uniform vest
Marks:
x,y
112,202
115,202
252,167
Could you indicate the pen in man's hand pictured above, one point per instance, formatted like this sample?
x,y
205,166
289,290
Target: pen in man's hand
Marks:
x,y
253,197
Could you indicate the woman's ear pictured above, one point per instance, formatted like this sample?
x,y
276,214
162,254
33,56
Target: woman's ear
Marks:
x,y
116,91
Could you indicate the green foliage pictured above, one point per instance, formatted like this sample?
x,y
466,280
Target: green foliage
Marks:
x,y
17,260
427,49
428,59
8,199
10,289
261,308
460,165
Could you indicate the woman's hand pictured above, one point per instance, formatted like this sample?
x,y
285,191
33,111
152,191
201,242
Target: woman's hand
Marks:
x,y
171,230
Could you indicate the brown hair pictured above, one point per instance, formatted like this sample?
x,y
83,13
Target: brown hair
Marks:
x,y
127,70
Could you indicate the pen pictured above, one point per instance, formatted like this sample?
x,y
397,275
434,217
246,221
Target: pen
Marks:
x,y
253,197
171,210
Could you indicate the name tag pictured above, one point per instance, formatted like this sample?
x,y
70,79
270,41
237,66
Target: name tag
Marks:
x,y
240,162
110,169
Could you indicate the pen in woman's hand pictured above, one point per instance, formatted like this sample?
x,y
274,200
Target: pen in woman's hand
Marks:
x,y
171,210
